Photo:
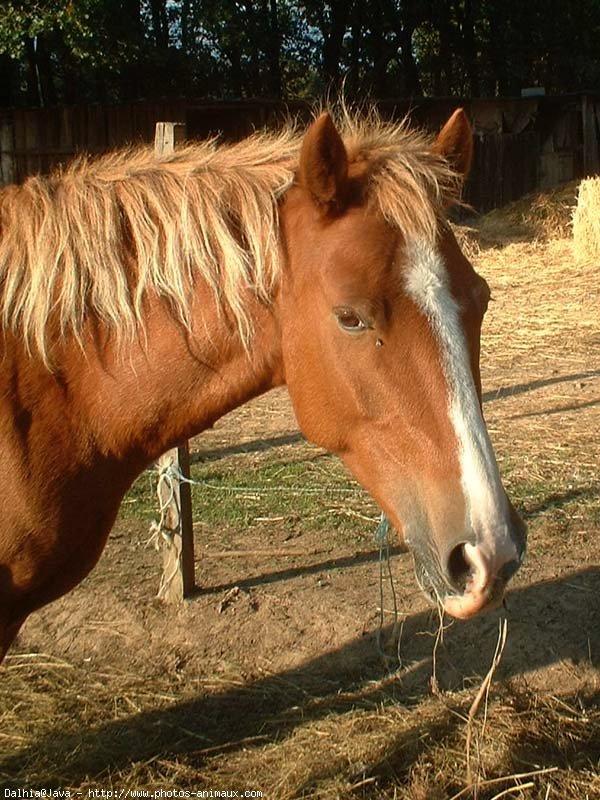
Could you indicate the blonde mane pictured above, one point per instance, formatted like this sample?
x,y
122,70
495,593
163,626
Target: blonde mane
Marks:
x,y
96,237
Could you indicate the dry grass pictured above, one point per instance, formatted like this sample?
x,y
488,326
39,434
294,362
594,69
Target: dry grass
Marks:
x,y
368,743
339,725
586,222
540,216
468,239
536,218
540,361
542,293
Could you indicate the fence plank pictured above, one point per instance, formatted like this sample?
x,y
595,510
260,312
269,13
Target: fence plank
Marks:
x,y
175,497
7,152
591,140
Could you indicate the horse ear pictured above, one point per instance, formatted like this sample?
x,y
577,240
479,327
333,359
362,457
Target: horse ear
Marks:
x,y
323,167
455,142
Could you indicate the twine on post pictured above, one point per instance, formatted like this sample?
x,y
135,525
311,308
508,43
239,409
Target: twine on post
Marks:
x,y
168,528
168,474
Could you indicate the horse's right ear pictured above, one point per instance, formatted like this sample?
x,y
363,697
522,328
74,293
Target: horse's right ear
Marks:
x,y
323,170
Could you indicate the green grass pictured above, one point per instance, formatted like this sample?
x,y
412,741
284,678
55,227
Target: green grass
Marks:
x,y
537,499
141,502
287,492
320,495
312,495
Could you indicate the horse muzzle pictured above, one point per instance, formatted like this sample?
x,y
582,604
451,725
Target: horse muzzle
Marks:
x,y
472,576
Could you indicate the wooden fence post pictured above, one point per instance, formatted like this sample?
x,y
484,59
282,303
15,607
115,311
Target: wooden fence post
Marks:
x,y
175,497
167,136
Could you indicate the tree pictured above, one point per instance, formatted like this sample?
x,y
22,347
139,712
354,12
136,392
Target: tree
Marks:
x,y
111,50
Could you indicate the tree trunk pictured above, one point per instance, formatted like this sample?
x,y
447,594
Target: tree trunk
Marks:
x,y
379,83
130,83
132,11
160,24
354,75
332,46
34,95
412,82
470,48
376,46
185,25
254,33
45,71
446,58
236,81
403,24
274,51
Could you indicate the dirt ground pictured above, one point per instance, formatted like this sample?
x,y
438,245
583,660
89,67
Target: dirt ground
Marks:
x,y
278,675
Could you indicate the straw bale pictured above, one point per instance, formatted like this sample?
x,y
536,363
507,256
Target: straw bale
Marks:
x,y
586,222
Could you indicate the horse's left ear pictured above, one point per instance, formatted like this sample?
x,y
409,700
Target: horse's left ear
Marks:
x,y
455,142
323,170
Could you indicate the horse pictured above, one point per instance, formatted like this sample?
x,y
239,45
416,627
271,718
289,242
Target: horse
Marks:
x,y
142,297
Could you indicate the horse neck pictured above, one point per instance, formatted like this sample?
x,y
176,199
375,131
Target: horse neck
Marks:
x,y
142,398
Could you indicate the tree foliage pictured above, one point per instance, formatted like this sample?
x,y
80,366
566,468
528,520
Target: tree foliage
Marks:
x,y
99,50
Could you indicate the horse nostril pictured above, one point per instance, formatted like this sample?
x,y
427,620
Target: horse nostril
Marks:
x,y
459,568
477,577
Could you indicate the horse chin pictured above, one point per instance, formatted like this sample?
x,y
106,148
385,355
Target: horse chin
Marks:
x,y
472,603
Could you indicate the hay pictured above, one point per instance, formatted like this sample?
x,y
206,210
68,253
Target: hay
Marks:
x,y
547,214
539,216
586,222
536,218
468,240
91,733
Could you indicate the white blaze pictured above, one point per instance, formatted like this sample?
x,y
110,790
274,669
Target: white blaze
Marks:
x,y
427,283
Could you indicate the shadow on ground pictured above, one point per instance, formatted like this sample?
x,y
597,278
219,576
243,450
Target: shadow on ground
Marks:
x,y
557,500
331,564
253,446
552,501
522,388
548,622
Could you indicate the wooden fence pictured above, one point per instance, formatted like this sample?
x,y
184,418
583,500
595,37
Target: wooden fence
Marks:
x,y
35,140
520,144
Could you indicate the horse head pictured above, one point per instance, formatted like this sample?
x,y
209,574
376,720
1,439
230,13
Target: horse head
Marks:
x,y
381,318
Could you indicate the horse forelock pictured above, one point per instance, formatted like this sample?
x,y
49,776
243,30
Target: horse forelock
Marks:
x,y
94,238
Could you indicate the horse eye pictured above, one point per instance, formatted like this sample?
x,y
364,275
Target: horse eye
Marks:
x,y
349,320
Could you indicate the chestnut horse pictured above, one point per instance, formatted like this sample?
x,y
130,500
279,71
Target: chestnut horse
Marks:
x,y
143,297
